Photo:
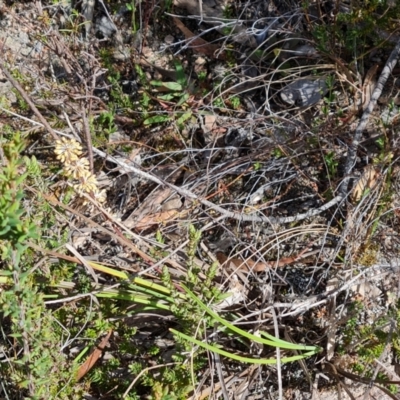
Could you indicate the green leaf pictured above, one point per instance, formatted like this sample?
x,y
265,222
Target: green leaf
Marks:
x,y
181,77
174,86
238,357
184,117
156,83
15,335
135,298
157,119
14,207
108,270
183,99
274,342
21,178
152,285
277,52
6,273
5,230
167,97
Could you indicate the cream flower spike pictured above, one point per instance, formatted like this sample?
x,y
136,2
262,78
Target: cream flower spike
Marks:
x,y
68,150
78,168
87,183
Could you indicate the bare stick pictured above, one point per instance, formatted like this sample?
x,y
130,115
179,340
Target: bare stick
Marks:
x,y
228,214
86,131
187,193
352,152
28,100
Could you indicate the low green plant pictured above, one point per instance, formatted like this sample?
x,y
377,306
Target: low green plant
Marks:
x,y
331,163
266,339
131,6
74,24
177,94
277,152
202,76
219,102
34,367
330,97
367,342
191,302
119,99
356,30
103,126
235,101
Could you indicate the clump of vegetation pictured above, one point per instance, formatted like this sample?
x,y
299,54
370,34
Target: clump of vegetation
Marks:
x,y
35,365
365,343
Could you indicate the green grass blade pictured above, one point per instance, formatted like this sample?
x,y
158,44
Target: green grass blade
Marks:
x,y
108,270
151,285
181,77
134,298
134,289
238,357
274,342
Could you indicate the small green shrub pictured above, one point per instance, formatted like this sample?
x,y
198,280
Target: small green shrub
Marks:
x,y
35,364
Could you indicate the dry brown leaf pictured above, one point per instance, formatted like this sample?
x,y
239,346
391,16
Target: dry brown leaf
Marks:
x,y
148,208
154,219
367,181
259,266
236,293
366,290
369,85
210,122
237,263
198,44
92,359
173,203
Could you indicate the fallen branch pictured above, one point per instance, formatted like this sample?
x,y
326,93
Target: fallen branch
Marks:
x,y
228,214
198,44
239,216
28,100
352,152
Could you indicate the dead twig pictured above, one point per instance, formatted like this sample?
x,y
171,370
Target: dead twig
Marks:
x,y
228,214
257,266
83,261
86,130
352,152
28,100
198,44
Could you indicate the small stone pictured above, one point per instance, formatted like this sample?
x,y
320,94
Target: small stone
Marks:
x,y
169,39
